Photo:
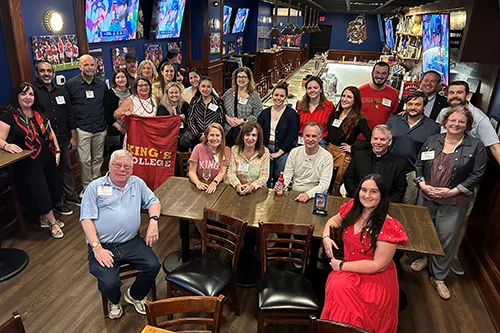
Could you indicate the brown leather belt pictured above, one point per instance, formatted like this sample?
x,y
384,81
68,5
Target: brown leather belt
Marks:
x,y
272,142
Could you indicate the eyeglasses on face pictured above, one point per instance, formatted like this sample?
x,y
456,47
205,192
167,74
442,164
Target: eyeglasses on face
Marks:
x,y
119,166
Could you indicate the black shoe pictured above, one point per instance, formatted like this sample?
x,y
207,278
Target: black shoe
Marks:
x,y
74,201
62,209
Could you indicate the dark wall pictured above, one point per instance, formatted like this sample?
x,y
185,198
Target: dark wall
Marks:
x,y
4,71
340,23
33,11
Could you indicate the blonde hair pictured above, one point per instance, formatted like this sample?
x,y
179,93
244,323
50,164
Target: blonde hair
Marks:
x,y
153,69
222,146
251,83
165,101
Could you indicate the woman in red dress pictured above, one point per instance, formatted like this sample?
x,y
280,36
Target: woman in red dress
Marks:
x,y
363,288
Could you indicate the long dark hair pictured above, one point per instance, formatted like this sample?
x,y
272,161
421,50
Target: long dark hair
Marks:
x,y
16,91
304,102
352,119
378,215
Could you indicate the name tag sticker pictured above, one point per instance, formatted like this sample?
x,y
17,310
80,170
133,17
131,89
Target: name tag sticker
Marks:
x,y
105,191
300,140
337,123
308,163
60,100
243,167
243,101
386,102
427,155
212,107
89,94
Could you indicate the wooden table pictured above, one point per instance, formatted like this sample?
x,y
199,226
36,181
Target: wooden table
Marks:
x,y
263,205
181,199
152,329
13,261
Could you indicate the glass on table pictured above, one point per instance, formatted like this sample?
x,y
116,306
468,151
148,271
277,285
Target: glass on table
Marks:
x,y
206,174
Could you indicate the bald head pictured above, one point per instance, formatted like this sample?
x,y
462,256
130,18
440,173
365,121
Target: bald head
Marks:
x,y
87,66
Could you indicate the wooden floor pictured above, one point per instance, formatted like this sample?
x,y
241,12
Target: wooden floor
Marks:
x,y
57,294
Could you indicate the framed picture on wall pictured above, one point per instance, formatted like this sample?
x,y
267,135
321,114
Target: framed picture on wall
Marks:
x,y
97,54
118,56
153,52
231,47
215,42
59,50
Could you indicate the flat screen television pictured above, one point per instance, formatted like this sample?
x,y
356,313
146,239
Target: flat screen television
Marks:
x,y
435,44
389,33
240,20
167,18
226,28
111,20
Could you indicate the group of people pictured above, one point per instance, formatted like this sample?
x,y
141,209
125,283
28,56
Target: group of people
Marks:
x,y
427,150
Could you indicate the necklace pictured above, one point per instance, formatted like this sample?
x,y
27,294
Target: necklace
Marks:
x,y
442,157
150,103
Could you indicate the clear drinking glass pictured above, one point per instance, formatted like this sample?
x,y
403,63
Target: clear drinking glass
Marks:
x,y
206,174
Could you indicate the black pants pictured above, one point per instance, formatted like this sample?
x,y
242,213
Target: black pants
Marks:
x,y
67,182
38,182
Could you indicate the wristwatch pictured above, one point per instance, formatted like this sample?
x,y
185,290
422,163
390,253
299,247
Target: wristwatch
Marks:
x,y
216,181
341,263
95,244
154,217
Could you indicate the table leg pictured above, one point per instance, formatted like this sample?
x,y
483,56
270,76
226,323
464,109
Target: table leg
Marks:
x,y
248,273
175,259
15,199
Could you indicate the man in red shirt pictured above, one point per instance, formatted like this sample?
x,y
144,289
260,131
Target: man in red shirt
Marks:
x,y
379,101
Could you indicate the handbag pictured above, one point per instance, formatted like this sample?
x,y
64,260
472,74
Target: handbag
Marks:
x,y
186,139
233,132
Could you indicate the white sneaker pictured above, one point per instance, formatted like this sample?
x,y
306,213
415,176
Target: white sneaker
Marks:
x,y
115,311
140,306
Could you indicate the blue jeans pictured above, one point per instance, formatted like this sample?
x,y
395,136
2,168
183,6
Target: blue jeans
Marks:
x,y
276,166
134,252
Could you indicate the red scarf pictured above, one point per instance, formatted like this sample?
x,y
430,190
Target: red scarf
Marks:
x,y
31,139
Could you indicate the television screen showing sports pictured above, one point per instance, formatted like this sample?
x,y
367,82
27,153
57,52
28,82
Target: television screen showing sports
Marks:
x,y
111,20
389,33
226,29
435,44
167,20
240,20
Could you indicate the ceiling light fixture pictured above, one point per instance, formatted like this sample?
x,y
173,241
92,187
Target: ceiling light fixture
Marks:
x,y
53,21
274,32
289,28
297,30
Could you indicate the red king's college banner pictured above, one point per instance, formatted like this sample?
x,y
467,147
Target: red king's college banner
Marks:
x,y
153,143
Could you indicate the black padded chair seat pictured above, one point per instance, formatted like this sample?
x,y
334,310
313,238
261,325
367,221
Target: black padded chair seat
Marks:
x,y
285,290
202,276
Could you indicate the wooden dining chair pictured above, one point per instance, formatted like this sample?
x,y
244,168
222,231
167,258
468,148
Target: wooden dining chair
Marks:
x,y
13,325
285,297
213,273
183,163
157,311
126,272
327,326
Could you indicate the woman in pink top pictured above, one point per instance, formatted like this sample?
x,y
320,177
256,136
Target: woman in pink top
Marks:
x,y
209,159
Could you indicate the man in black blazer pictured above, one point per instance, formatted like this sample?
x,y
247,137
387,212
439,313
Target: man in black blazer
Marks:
x,y
378,160
429,85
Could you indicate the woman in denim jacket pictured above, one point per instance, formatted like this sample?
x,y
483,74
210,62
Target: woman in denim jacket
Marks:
x,y
449,168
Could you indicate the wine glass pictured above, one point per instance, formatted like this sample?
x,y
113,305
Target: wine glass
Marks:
x,y
206,174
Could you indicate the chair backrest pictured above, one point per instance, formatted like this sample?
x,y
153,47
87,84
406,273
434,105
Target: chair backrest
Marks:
x,y
277,253
188,304
13,325
224,233
327,326
183,163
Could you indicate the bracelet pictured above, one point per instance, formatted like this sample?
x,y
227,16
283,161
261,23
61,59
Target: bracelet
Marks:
x,y
327,236
58,151
3,147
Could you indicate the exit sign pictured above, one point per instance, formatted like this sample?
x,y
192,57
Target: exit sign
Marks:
x,y
322,19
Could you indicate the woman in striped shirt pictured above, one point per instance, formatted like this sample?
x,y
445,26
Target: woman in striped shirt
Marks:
x,y
205,109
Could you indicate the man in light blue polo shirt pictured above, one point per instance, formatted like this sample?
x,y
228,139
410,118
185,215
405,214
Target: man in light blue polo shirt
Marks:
x,y
110,216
